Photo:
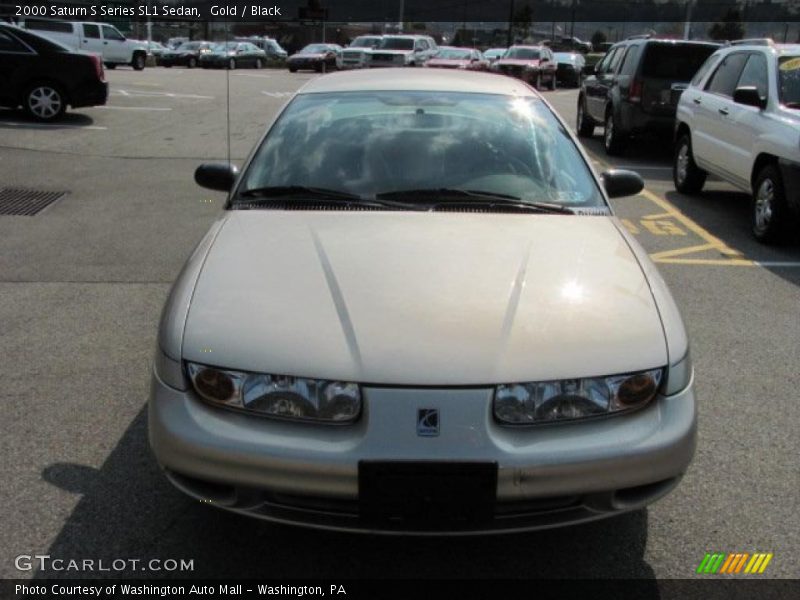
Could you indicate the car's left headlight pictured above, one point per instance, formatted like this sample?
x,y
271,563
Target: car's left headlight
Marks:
x,y
567,399
280,396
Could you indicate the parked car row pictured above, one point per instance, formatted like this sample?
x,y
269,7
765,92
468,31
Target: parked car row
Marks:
x,y
537,65
732,111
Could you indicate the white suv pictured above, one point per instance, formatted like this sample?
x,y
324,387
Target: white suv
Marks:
x,y
739,119
100,38
403,51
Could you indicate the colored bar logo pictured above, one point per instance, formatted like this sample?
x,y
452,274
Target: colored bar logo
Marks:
x,y
734,563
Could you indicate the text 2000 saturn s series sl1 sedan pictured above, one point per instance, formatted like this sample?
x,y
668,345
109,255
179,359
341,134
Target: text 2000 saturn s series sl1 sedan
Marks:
x,y
417,314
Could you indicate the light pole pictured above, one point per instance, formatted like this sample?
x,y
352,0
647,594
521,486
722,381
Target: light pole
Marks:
x,y
510,39
687,24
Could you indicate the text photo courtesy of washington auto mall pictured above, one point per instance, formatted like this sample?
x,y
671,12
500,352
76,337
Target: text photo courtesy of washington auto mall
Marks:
x,y
399,298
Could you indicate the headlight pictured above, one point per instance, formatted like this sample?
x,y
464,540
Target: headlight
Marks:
x,y
277,395
549,401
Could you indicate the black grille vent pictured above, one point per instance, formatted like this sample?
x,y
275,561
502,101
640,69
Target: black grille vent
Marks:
x,y
309,206
19,201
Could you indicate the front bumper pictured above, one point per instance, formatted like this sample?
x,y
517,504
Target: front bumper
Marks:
x,y
309,474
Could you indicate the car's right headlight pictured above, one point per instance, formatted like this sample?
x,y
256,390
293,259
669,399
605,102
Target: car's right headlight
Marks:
x,y
279,396
536,402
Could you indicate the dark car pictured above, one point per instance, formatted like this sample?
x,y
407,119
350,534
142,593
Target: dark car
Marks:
x,y
315,57
635,88
232,55
533,64
569,68
186,55
44,77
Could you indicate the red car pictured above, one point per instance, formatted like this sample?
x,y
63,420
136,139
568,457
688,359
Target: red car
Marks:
x,y
533,64
450,57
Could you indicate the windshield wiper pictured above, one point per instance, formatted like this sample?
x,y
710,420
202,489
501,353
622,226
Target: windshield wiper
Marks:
x,y
309,194
435,197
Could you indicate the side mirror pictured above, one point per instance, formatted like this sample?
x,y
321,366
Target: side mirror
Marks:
x,y
620,182
749,96
216,176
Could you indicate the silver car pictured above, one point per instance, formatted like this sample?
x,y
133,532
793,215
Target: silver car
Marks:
x,y
418,314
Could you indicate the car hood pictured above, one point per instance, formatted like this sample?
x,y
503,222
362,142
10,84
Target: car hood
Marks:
x,y
301,55
416,298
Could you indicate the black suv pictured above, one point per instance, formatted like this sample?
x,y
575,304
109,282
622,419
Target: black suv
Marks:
x,y
636,87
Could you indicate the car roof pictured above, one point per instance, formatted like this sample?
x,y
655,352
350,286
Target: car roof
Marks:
x,y
412,79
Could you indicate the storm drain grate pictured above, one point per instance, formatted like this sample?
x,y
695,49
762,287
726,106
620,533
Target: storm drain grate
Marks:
x,y
19,201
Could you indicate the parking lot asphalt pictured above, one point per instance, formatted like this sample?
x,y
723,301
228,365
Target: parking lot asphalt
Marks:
x,y
82,284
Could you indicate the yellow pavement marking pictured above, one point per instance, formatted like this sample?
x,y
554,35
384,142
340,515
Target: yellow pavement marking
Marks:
x,y
711,239
727,262
662,227
630,226
665,215
677,252
667,256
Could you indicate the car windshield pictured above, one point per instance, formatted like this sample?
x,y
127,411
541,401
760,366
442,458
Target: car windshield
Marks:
x,y
523,53
675,62
315,49
365,42
396,44
454,53
189,46
372,143
789,80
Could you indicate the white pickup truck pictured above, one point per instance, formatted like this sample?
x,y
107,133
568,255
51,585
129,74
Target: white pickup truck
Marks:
x,y
100,38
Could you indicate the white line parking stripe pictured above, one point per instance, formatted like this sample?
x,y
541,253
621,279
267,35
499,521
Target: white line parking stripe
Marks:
x,y
48,126
132,108
159,94
776,263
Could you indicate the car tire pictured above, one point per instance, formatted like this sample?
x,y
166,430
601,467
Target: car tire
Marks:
x,y
584,123
110,66
138,61
770,212
686,175
192,62
613,140
258,63
292,70
167,66
44,102
232,64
